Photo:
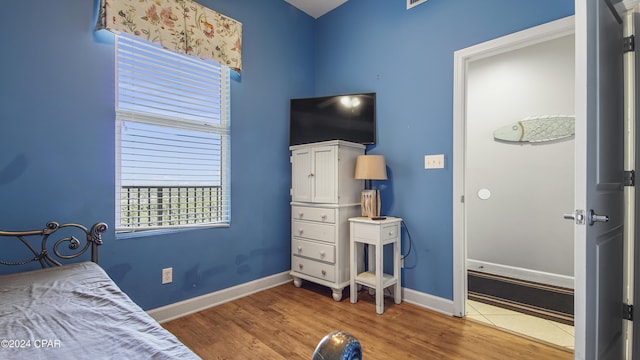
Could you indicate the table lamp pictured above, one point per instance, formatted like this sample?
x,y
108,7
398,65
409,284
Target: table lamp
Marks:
x,y
370,167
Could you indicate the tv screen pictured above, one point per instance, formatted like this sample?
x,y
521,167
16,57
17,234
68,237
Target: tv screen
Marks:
x,y
350,117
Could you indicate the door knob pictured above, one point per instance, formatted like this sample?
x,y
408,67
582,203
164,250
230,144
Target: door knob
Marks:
x,y
594,218
581,218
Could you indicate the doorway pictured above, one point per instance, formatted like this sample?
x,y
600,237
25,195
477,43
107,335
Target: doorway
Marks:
x,y
509,229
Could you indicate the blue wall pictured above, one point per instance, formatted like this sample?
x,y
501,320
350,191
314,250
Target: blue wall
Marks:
x,y
58,133
57,114
406,57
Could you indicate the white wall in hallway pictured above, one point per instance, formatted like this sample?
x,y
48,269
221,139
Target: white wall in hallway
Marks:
x,y
520,225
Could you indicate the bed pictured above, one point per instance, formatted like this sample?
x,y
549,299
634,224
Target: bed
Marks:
x,y
74,310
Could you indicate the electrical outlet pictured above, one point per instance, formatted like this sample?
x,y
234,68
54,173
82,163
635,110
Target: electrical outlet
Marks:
x,y
167,275
434,161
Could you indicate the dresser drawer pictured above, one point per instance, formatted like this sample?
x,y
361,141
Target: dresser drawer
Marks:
x,y
314,231
313,250
313,268
313,214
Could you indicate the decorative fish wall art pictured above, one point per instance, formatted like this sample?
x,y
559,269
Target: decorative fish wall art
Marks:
x,y
535,129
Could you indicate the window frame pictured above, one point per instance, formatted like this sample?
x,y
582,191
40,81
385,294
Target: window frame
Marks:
x,y
223,129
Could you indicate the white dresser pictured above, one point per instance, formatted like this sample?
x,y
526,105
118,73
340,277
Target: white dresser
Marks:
x,y
324,195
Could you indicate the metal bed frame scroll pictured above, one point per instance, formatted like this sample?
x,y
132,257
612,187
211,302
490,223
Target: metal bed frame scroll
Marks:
x,y
42,254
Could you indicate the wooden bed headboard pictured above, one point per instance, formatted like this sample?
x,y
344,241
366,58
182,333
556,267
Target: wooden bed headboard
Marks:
x,y
44,256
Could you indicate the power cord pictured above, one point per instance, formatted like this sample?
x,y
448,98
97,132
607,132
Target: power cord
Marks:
x,y
402,223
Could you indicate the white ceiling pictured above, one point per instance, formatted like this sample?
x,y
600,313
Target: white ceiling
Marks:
x,y
316,8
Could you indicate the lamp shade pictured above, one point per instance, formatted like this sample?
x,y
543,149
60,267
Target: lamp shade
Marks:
x,y
371,167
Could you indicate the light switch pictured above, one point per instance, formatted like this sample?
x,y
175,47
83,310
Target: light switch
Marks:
x,y
434,161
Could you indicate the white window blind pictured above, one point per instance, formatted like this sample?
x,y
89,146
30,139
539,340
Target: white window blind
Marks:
x,y
172,138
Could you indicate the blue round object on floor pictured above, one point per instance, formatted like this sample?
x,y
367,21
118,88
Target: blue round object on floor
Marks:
x,y
338,345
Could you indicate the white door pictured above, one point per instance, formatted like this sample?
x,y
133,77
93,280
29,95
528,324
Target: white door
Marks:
x,y
599,170
301,175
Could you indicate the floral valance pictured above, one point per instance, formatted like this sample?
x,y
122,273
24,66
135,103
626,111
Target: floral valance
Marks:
x,y
180,25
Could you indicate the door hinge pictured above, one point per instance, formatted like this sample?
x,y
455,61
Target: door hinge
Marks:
x,y
629,178
629,44
627,312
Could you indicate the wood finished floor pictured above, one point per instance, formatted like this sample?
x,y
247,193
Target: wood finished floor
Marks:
x,y
286,322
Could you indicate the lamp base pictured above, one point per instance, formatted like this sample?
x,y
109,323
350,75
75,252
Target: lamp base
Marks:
x,y
370,203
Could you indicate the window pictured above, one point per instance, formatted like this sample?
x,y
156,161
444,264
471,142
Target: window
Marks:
x,y
172,134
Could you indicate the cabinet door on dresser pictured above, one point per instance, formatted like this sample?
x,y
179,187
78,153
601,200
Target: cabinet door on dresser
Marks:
x,y
314,174
301,175
325,174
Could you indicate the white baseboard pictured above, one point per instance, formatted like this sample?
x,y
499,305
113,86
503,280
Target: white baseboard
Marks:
x,y
193,305
435,303
521,273
190,306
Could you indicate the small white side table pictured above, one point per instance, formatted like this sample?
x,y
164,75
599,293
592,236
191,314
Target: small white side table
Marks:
x,y
377,234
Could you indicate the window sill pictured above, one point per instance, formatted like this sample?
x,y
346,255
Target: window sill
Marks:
x,y
123,234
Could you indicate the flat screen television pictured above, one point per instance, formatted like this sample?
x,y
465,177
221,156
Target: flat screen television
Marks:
x,y
350,117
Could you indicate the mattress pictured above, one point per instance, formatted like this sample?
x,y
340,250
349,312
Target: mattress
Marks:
x,y
77,312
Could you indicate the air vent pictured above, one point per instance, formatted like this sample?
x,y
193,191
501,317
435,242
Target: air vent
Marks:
x,y
412,3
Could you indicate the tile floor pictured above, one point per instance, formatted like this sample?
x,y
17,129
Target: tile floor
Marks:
x,y
545,330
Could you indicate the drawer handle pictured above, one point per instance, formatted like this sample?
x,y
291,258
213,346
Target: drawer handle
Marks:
x,y
311,175
300,231
322,254
301,214
390,233
324,273
300,266
324,216
299,249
